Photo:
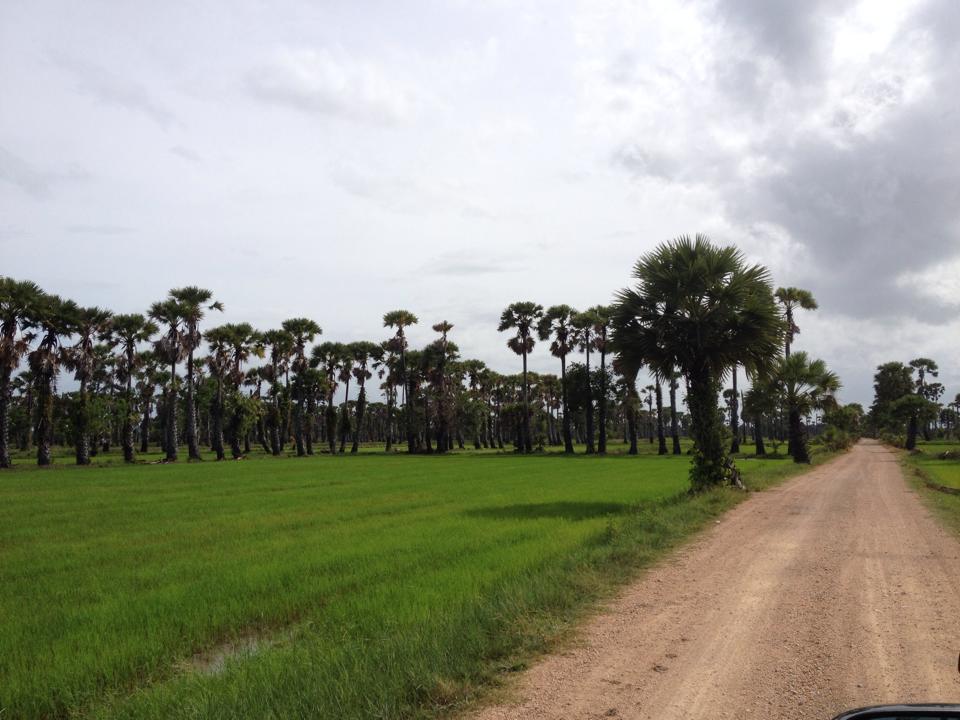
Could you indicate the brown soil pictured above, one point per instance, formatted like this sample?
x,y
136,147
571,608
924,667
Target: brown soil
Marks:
x,y
835,590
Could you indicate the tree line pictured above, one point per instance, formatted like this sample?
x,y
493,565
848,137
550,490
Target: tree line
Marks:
x,y
907,403
696,315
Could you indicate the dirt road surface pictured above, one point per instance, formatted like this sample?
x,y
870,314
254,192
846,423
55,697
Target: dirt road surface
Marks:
x,y
834,590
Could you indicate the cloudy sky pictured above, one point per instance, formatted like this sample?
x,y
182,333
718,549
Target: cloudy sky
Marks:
x,y
340,159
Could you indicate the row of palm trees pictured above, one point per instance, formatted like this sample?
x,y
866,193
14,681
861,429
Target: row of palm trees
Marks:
x,y
696,313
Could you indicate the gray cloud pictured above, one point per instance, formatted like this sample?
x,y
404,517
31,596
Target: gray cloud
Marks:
x,y
33,180
112,89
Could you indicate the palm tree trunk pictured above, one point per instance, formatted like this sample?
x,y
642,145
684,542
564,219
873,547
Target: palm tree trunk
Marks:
x,y
709,460
911,433
674,429
310,419
589,410
758,435
5,459
361,406
567,435
127,430
216,433
298,430
193,447
735,415
662,448
798,438
44,419
83,423
390,396
632,425
145,426
527,445
602,405
344,417
171,427
407,402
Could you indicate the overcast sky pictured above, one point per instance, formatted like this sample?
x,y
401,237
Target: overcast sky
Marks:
x,y
338,160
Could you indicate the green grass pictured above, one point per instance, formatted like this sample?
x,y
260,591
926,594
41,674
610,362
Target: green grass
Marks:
x,y
368,586
924,466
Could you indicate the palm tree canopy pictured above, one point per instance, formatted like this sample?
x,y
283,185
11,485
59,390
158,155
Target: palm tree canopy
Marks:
x,y
18,301
806,384
557,321
399,319
792,297
520,315
303,330
699,308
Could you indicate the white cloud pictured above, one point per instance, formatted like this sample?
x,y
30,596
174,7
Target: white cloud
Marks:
x,y
331,82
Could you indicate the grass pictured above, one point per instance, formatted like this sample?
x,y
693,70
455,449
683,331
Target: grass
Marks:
x,y
348,587
925,466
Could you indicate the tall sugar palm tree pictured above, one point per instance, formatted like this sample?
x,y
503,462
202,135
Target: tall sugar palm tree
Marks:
x,y
302,331
806,385
194,302
54,318
439,376
172,350
89,324
219,364
128,332
584,323
557,322
701,309
400,320
522,317
281,344
346,366
243,342
792,299
601,342
18,304
327,357
363,353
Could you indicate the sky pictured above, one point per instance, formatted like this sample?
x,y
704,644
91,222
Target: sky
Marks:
x,y
337,160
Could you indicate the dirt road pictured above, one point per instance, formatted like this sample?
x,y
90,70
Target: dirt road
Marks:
x,y
835,590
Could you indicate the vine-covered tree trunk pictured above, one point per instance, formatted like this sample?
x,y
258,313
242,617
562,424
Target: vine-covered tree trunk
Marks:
x,y
798,438
710,459
662,447
674,425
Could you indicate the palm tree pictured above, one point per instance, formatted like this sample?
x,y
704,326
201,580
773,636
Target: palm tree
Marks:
x,y
557,322
402,319
759,402
281,344
301,331
661,438
194,302
583,323
219,363
601,342
649,390
54,318
18,303
631,398
924,367
242,342
346,372
701,309
806,385
328,356
88,325
439,373
522,316
362,353
149,377
171,349
129,331
791,299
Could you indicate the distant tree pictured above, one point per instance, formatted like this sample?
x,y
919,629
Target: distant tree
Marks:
x,y
193,302
171,349
926,367
701,309
584,324
892,381
88,324
362,353
557,323
524,318
400,320
327,357
280,344
601,342
301,332
128,332
792,299
18,304
806,385
54,319
674,425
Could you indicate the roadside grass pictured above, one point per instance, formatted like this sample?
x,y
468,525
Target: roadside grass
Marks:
x,y
926,466
349,587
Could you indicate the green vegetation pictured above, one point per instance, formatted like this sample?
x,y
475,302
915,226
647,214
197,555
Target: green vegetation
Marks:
x,y
371,586
937,462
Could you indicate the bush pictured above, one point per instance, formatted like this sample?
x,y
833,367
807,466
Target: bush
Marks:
x,y
895,439
834,439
